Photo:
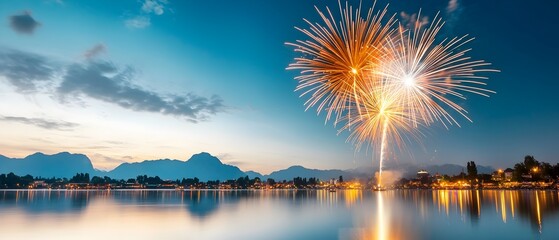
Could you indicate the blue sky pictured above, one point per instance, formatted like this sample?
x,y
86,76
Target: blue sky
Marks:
x,y
217,69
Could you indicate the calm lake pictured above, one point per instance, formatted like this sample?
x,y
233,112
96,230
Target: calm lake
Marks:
x,y
279,214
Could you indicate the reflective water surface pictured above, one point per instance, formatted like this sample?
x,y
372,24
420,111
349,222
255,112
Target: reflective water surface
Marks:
x,y
279,214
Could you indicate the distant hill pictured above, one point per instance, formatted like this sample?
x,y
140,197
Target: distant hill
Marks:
x,y
203,166
453,169
299,171
63,164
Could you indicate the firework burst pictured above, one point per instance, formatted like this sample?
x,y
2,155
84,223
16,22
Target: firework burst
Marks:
x,y
385,84
427,76
337,56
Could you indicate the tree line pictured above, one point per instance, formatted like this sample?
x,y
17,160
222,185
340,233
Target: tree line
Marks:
x,y
532,169
13,181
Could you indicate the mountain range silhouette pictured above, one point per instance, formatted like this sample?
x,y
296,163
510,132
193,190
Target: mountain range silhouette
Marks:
x,y
203,165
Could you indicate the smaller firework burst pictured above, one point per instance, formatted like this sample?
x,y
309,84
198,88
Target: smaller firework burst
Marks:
x,y
429,76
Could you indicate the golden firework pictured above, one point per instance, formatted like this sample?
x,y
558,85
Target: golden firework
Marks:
x,y
381,115
337,56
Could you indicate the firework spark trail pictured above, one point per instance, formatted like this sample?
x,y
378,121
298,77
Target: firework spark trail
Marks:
x,y
383,119
385,84
382,150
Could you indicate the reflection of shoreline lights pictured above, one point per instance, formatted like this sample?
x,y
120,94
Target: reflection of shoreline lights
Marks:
x,y
444,200
478,203
538,212
381,82
530,204
503,207
511,205
496,202
352,196
394,203
460,199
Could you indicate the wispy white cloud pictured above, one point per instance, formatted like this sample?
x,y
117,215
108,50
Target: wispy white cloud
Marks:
x,y
154,6
452,6
104,162
138,22
41,122
100,80
453,12
95,50
225,156
27,72
105,81
149,7
413,20
108,159
235,163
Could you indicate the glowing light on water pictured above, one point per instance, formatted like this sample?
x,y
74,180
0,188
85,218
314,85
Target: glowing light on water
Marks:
x,y
382,220
538,214
503,207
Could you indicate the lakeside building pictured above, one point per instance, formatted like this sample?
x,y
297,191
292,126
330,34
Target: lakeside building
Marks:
x,y
39,185
422,174
497,176
508,174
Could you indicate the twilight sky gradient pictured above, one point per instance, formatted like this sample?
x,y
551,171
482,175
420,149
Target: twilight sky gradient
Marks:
x,y
148,79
